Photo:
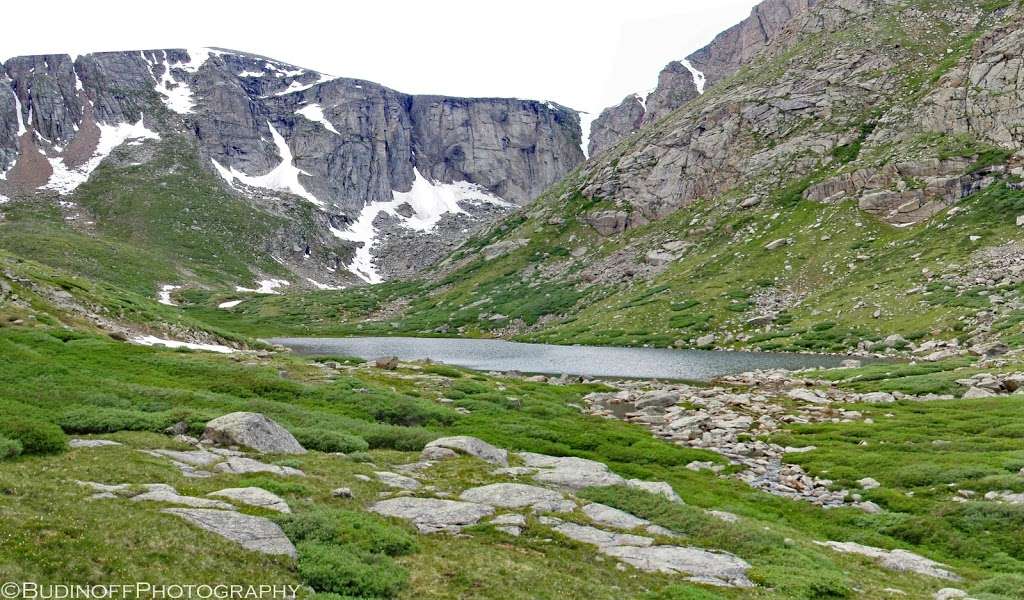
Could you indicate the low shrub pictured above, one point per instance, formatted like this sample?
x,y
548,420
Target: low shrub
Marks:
x,y
406,439
329,441
276,486
350,572
35,436
9,448
443,370
94,419
347,527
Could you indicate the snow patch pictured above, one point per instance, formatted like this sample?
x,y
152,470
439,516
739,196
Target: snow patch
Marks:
x,y
230,304
177,95
315,113
295,86
248,73
429,201
282,178
150,340
4,199
64,180
266,286
586,122
22,130
642,100
698,77
164,295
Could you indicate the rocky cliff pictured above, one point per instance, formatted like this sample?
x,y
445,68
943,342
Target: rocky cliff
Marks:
x,y
343,146
682,81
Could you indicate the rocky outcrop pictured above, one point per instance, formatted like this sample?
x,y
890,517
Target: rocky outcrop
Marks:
x,y
615,123
269,128
683,80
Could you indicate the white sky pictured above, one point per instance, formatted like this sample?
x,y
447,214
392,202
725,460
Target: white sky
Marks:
x,y
584,54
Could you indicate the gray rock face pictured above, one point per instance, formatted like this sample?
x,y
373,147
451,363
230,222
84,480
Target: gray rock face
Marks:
x,y
251,430
615,123
339,143
432,515
676,87
253,533
570,472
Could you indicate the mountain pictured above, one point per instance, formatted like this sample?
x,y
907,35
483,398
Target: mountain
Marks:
x,y
683,80
340,180
856,180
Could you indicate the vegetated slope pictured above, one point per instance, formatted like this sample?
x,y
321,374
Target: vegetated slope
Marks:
x,y
324,180
858,179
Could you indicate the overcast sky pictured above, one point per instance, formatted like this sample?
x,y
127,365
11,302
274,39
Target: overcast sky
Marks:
x,y
583,54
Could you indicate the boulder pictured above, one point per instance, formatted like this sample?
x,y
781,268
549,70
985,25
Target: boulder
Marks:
x,y
595,536
437,453
877,398
431,515
251,430
570,472
159,492
655,487
868,483
394,480
254,496
474,447
613,517
388,363
978,392
253,533
80,443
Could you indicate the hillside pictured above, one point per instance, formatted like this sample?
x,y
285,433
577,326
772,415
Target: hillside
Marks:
x,y
857,180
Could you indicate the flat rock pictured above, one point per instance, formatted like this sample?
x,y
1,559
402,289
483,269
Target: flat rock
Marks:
x,y
431,515
251,430
701,566
512,495
655,487
254,496
613,517
473,447
570,472
253,533
394,480
241,464
80,443
595,536
437,453
510,519
195,458
897,560
159,492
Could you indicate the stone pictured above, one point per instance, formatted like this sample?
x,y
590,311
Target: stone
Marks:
x,y
897,560
877,398
776,244
705,340
655,487
868,483
159,492
850,363
613,517
509,519
251,430
80,443
657,398
951,593
254,496
394,480
978,392
702,566
241,464
437,453
722,515
473,447
432,515
750,202
388,363
570,472
250,532
511,495
342,492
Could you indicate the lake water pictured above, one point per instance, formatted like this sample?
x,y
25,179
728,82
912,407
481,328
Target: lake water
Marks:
x,y
590,361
